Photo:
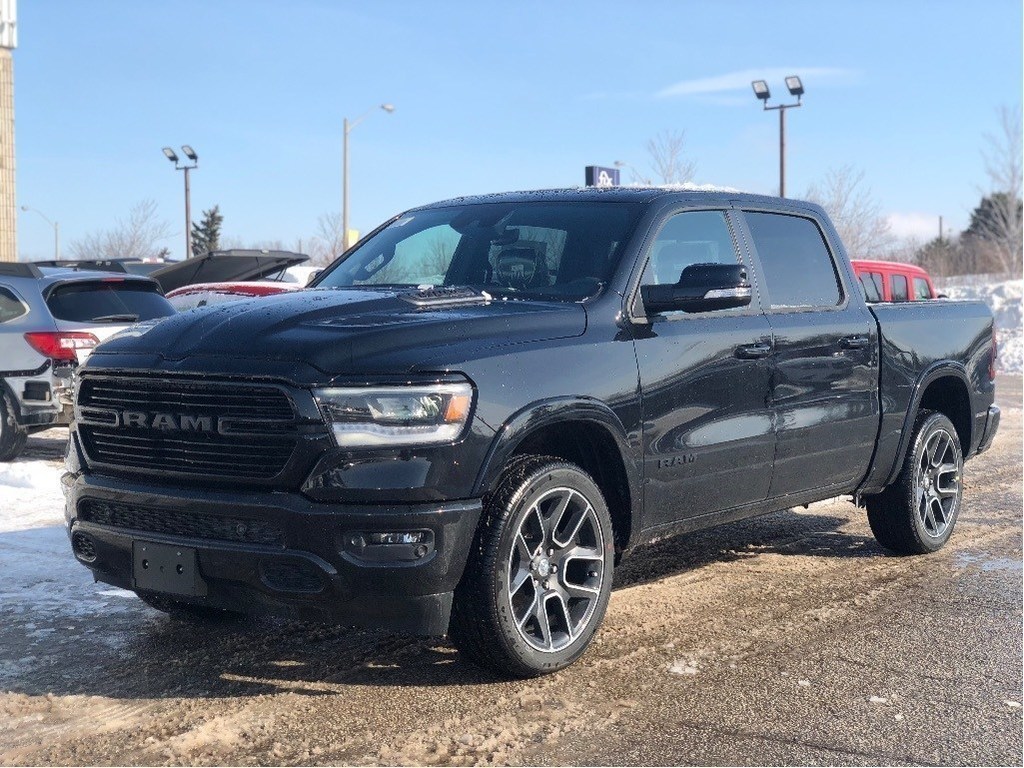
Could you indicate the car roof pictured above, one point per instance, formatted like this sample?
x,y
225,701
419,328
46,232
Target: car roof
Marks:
x,y
897,266
685,193
26,275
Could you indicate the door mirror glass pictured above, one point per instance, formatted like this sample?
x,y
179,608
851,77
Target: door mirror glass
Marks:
x,y
701,288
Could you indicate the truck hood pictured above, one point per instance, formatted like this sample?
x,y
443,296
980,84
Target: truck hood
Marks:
x,y
343,331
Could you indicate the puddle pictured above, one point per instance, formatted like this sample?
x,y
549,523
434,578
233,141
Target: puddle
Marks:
x,y
987,562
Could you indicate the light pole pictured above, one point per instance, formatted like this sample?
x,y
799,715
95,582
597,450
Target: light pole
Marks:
x,y
56,230
636,173
179,166
796,88
349,125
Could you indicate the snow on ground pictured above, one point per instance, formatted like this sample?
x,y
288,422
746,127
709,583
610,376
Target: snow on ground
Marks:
x,y
1004,297
30,495
44,590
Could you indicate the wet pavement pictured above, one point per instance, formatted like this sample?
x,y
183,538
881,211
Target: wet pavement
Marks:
x,y
788,639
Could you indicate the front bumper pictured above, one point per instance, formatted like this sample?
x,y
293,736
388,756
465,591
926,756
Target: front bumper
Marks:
x,y
280,553
991,427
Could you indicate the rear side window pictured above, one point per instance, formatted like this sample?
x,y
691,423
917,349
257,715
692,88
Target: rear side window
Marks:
x,y
10,307
900,291
871,282
107,302
921,289
798,269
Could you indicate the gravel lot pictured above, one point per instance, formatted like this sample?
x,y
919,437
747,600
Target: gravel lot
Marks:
x,y
792,638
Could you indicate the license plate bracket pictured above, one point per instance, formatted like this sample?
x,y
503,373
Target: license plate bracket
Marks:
x,y
165,568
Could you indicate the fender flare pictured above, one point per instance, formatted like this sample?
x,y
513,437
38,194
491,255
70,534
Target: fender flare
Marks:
x,y
545,413
938,370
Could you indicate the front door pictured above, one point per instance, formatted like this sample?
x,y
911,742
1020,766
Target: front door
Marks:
x,y
707,433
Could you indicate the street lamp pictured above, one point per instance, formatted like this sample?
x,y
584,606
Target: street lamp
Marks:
x,y
349,125
636,173
190,153
761,91
56,230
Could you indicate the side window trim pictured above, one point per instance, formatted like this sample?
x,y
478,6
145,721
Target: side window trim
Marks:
x,y
841,278
740,248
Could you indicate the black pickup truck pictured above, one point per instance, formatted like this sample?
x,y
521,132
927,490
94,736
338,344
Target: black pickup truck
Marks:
x,y
478,409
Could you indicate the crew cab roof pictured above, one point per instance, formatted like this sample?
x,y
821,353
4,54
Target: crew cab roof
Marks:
x,y
641,194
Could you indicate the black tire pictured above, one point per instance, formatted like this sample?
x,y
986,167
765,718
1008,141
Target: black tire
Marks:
x,y
12,435
909,517
553,510
179,609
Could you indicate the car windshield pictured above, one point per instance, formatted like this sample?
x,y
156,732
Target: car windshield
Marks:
x,y
108,301
563,251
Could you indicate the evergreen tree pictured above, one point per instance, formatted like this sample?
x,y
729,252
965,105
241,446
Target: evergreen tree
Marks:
x,y
206,233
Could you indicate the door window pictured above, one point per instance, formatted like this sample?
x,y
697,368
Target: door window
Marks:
x,y
900,292
798,269
921,289
693,237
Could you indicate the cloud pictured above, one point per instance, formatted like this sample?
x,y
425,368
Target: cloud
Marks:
x,y
918,226
775,76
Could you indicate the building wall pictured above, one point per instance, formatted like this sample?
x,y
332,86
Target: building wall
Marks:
x,y
8,201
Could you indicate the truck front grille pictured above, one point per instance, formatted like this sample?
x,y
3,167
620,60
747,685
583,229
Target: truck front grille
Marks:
x,y
180,523
208,429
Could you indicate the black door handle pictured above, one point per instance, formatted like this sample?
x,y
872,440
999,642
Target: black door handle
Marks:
x,y
853,342
753,351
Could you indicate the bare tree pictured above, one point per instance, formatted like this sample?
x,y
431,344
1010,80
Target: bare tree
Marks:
x,y
136,236
668,159
329,240
997,230
855,213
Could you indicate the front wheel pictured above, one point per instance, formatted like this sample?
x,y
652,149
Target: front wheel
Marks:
x,y
916,514
539,575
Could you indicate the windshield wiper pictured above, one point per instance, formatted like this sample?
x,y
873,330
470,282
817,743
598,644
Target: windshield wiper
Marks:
x,y
122,318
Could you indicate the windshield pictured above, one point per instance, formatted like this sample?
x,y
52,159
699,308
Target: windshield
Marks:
x,y
562,251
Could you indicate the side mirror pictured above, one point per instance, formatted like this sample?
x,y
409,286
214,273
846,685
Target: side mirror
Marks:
x,y
701,288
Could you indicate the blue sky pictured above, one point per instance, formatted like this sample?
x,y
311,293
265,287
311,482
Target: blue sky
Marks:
x,y
490,97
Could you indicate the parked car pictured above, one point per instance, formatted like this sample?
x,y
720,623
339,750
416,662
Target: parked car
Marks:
x,y
208,294
473,414
893,281
233,275
50,320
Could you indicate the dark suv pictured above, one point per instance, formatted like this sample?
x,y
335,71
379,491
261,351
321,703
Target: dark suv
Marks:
x,y
486,402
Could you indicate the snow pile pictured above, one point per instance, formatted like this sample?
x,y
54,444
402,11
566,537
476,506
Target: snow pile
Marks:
x,y
1004,297
30,495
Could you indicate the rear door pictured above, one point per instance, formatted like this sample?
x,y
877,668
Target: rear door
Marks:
x,y
707,435
824,381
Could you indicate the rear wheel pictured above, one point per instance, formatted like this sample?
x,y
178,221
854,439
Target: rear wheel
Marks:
x,y
916,514
539,575
179,609
12,436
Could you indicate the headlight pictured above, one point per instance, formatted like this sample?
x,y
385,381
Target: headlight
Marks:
x,y
364,417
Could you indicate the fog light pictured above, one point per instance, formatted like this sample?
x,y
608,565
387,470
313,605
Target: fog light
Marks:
x,y
396,537
388,546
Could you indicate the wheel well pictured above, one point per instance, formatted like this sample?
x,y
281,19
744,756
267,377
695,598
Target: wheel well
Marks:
x,y
591,447
948,395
